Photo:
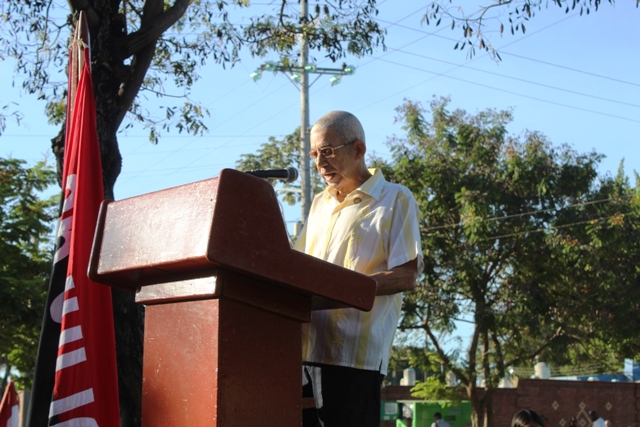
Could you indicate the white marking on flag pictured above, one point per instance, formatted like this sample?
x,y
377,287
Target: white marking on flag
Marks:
x,y
69,284
72,402
71,335
69,359
70,305
78,422
56,308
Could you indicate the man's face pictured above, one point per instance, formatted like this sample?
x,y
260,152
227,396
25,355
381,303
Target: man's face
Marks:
x,y
340,171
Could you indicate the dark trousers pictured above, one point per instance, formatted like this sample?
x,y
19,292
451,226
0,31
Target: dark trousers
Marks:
x,y
344,396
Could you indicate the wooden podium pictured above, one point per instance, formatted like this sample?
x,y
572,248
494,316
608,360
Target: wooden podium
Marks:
x,y
225,298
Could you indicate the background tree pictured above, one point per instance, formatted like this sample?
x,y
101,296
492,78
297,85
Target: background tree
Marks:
x,y
603,251
280,154
513,232
480,24
26,223
133,53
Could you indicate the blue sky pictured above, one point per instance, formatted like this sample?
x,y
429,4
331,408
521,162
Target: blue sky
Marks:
x,y
574,78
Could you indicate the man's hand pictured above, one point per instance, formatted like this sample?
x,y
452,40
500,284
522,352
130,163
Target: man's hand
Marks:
x,y
398,279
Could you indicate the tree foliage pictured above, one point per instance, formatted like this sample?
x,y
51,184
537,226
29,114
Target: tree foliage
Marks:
x,y
478,24
521,238
280,154
26,221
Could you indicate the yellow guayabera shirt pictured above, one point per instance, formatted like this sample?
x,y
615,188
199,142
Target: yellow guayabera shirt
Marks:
x,y
374,229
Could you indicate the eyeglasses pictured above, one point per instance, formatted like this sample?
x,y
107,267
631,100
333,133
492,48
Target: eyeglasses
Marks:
x,y
327,152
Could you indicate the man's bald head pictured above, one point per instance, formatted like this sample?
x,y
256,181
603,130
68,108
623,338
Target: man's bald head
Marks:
x,y
346,124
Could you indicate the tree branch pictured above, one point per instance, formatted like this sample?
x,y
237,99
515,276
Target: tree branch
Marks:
x,y
499,354
151,29
445,359
548,342
143,45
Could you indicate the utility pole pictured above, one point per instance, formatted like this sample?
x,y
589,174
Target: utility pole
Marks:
x,y
305,144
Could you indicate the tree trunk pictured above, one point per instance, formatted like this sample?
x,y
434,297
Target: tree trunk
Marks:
x,y
476,404
487,407
128,316
128,320
482,409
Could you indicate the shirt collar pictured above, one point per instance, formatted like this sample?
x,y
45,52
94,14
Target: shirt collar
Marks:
x,y
371,187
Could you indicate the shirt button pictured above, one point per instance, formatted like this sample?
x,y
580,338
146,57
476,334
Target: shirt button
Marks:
x,y
357,200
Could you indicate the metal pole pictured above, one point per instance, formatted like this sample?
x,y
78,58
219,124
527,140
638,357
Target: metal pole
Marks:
x,y
305,144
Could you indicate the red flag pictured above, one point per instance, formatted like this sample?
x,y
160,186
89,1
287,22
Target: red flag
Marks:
x,y
85,390
9,407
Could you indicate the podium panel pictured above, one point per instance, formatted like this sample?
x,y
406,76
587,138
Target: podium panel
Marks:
x,y
220,363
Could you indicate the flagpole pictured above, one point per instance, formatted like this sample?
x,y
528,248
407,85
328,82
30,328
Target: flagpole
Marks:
x,y
79,41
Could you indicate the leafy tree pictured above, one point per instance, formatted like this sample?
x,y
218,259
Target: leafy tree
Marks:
x,y
26,245
279,154
427,365
497,15
602,252
134,54
521,238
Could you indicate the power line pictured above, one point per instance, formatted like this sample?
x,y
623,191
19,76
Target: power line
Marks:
x,y
444,74
569,371
193,139
519,79
522,214
509,92
428,34
434,34
143,172
537,230
572,69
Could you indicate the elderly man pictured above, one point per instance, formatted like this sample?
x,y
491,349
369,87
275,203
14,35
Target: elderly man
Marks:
x,y
369,225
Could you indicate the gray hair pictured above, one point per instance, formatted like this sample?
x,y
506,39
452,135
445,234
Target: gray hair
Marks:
x,y
344,123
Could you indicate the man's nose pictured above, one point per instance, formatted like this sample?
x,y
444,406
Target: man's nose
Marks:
x,y
320,159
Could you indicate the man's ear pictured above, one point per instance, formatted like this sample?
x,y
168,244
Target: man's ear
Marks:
x,y
361,149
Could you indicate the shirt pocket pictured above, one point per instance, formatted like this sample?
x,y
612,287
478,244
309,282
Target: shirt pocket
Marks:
x,y
368,238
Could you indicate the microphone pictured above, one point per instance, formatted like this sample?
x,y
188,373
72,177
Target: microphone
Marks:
x,y
288,174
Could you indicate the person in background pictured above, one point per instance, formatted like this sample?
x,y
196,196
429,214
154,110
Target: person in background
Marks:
x,y
608,423
595,418
438,421
364,223
527,418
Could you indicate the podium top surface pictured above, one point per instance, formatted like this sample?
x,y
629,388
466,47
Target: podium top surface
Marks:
x,y
231,222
